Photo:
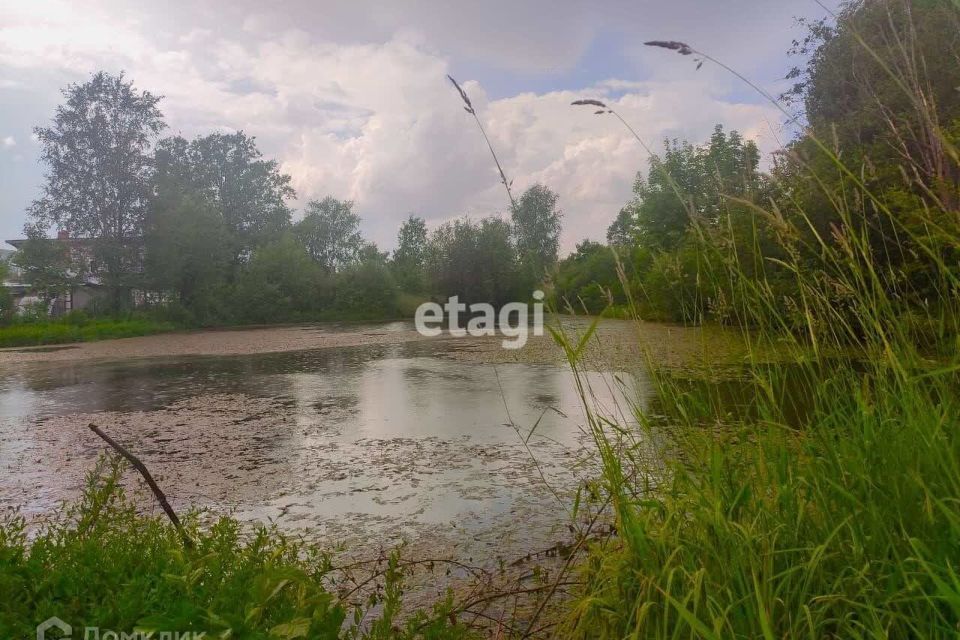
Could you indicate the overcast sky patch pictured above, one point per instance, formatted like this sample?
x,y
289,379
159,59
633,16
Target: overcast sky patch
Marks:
x,y
352,98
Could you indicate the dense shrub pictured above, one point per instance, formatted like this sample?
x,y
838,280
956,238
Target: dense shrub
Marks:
x,y
101,564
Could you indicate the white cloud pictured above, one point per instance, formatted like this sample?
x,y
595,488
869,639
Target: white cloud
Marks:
x,y
8,142
377,121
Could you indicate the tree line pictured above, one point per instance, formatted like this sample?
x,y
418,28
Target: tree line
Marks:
x,y
706,234
203,229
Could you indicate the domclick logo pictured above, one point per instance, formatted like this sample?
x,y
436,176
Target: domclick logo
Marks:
x,y
56,629
483,320
62,629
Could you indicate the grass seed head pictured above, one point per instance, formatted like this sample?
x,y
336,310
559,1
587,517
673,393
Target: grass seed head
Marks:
x,y
463,94
680,47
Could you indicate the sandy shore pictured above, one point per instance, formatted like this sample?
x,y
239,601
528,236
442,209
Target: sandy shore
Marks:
x,y
617,344
215,342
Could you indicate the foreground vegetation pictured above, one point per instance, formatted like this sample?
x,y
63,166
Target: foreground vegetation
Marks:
x,y
100,564
840,519
844,524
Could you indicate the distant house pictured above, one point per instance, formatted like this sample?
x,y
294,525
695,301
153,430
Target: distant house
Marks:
x,y
14,274
87,286
14,282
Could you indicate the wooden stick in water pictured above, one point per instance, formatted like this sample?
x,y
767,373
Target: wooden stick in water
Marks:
x,y
142,468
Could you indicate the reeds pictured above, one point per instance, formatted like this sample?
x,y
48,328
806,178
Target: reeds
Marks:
x,y
844,523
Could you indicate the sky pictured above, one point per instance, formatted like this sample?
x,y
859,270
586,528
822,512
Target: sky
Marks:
x,y
351,98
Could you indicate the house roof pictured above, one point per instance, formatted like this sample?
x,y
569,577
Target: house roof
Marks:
x,y
17,242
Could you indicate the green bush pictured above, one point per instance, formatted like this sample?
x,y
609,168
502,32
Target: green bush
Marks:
x,y
77,327
366,290
101,564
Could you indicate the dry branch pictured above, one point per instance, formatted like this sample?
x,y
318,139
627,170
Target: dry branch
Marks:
x,y
142,468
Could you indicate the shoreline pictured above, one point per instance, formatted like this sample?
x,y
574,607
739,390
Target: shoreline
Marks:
x,y
619,344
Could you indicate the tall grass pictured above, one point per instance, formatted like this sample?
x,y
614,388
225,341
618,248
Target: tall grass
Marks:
x,y
78,328
846,524
102,564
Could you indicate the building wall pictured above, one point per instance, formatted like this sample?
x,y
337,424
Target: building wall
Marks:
x,y
83,297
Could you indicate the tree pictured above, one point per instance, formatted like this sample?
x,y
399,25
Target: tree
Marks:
x,y
883,75
370,253
280,282
188,251
366,288
409,256
330,232
536,224
663,199
476,261
689,184
228,170
6,299
624,230
587,280
496,263
99,169
879,87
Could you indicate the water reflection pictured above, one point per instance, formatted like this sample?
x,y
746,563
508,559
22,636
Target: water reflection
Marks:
x,y
385,437
386,390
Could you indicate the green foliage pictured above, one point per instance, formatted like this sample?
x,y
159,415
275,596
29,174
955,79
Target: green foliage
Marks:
x,y
366,290
871,74
688,185
672,288
104,129
6,299
624,231
330,231
587,280
201,228
101,564
229,174
825,504
690,196
846,529
77,327
476,261
410,255
879,89
45,263
188,252
536,226
280,282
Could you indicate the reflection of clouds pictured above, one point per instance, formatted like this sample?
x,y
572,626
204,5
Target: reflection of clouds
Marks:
x,y
451,399
381,390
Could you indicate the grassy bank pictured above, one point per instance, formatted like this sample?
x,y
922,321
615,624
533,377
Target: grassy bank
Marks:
x,y
847,527
78,330
80,327
100,564
841,520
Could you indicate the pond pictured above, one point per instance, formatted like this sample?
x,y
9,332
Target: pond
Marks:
x,y
368,443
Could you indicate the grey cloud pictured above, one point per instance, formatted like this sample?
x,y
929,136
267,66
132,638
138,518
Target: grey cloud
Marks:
x,y
351,98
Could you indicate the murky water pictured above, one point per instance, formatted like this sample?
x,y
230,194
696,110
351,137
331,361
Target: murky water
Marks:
x,y
371,442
